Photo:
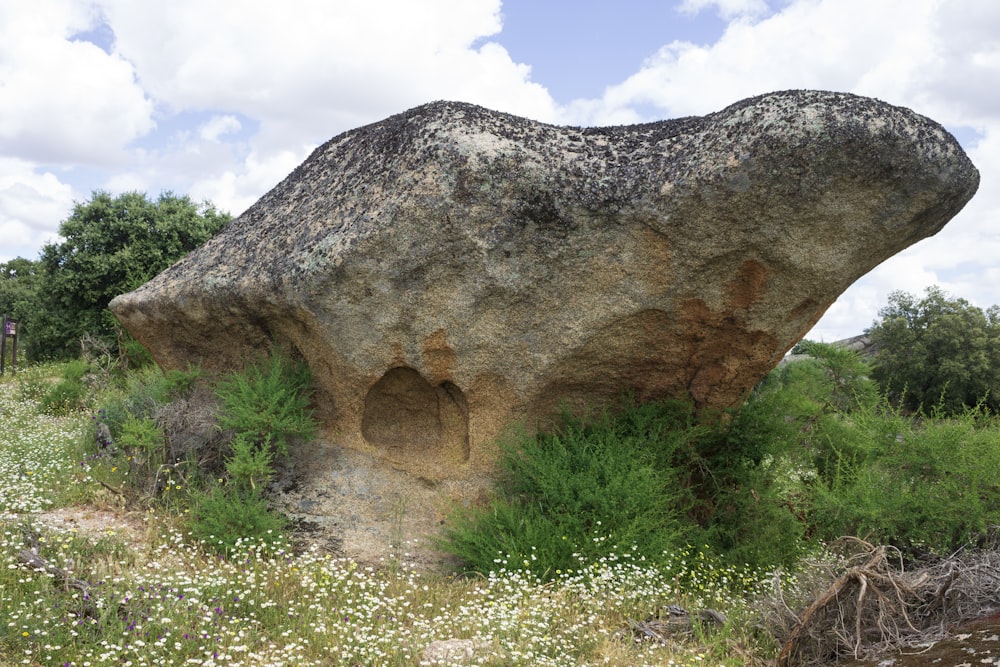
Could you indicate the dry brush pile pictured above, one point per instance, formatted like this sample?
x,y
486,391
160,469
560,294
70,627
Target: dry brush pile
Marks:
x,y
868,601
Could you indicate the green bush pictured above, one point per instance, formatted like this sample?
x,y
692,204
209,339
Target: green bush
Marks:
x,y
144,445
223,516
69,393
740,470
178,383
250,463
268,402
265,405
647,481
139,393
838,377
63,397
924,485
133,412
574,495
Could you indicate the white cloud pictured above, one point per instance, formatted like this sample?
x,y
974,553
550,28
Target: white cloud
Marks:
x,y
218,126
871,48
313,59
63,100
727,9
303,71
239,189
276,78
32,205
961,84
939,58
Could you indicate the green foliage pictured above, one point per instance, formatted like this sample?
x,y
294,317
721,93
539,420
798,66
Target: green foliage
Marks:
x,y
927,485
865,468
178,383
268,402
138,395
746,514
75,370
224,516
573,495
938,351
142,463
649,480
67,394
19,279
63,397
841,377
31,387
265,406
250,463
111,245
144,444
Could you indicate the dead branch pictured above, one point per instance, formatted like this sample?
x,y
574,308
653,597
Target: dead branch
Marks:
x,y
30,557
873,603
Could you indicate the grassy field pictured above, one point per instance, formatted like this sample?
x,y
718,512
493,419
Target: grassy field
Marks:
x,y
158,597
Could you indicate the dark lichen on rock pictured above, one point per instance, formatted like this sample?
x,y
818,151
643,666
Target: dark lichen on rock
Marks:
x,y
551,265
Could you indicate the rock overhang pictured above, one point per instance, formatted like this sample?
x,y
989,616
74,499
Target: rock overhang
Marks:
x,y
451,270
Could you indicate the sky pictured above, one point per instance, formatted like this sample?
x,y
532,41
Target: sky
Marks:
x,y
221,99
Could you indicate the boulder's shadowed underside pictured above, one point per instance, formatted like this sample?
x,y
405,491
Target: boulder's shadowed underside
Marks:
x,y
451,270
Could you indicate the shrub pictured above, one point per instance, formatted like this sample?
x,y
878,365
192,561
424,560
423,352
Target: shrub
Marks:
x,y
63,397
67,394
139,393
250,463
136,413
223,516
922,485
144,446
840,376
578,493
178,383
650,480
748,512
267,403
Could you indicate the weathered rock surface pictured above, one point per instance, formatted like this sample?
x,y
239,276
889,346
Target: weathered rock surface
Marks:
x,y
451,270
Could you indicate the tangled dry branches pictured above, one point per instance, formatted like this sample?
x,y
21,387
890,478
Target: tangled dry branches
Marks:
x,y
867,602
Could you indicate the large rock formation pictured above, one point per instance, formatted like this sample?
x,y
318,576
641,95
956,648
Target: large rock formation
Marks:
x,y
451,270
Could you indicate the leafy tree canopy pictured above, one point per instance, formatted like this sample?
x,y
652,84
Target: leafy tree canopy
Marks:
x,y
937,352
18,287
111,245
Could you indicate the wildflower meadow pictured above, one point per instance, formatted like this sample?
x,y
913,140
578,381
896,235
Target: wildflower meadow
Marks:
x,y
164,598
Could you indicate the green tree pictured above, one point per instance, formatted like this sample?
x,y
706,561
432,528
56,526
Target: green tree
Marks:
x,y
111,245
18,288
937,352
